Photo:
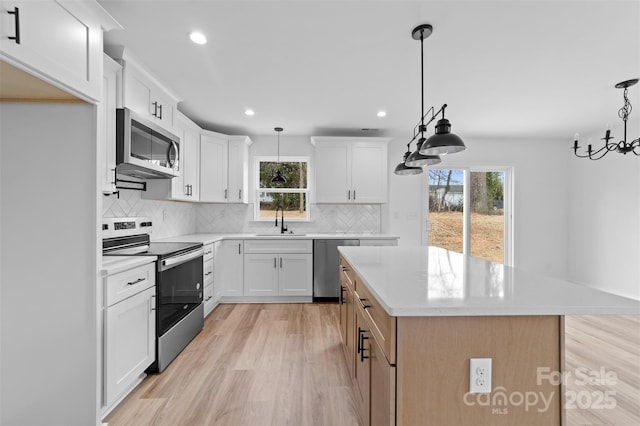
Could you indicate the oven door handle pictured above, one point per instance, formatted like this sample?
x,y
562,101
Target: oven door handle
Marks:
x,y
177,260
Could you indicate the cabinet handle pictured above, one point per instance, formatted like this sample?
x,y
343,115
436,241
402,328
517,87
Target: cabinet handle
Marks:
x,y
280,263
239,194
225,194
160,111
208,252
349,195
208,273
16,19
239,249
139,280
354,195
274,262
364,305
208,298
153,302
342,290
155,109
362,349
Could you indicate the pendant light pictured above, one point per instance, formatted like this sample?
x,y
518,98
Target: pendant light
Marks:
x,y
277,177
428,151
416,159
402,169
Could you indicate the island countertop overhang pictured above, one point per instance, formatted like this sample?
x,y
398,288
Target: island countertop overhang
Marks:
x,y
430,281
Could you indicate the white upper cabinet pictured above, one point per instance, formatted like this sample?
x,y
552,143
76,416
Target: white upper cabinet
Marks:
x,y
142,92
185,186
351,170
107,124
59,42
224,168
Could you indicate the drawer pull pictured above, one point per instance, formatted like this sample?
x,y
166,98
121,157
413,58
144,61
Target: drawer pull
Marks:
x,y
16,20
362,349
208,298
139,280
208,252
364,305
342,290
153,302
208,273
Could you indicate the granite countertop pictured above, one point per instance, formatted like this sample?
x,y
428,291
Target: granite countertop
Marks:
x,y
211,238
430,281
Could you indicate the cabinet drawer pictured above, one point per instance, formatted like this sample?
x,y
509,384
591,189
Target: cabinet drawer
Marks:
x,y
208,252
383,326
347,271
207,270
208,293
278,246
125,284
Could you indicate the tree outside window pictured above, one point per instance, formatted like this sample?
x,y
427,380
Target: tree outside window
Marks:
x,y
291,196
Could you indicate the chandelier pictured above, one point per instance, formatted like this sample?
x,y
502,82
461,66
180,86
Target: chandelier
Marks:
x,y
428,151
623,146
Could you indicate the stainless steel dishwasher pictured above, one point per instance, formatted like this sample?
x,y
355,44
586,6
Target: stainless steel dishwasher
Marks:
x,y
326,285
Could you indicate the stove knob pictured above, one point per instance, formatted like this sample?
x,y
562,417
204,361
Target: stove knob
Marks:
x,y
198,286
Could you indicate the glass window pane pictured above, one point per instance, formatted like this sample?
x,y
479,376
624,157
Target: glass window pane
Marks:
x,y
295,174
446,202
487,215
294,205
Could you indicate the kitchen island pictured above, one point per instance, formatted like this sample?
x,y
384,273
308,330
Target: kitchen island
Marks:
x,y
413,317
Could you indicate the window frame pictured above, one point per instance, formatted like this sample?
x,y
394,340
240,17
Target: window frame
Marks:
x,y
509,196
257,190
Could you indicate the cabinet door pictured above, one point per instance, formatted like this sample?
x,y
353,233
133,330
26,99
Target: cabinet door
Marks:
x,y
295,275
333,180
362,365
261,275
213,169
230,265
107,124
130,332
383,388
55,42
369,173
191,163
238,171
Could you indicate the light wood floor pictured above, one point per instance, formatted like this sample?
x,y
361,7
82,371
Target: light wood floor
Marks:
x,y
612,343
271,364
278,364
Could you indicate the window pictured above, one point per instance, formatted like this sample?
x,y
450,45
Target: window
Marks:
x,y
292,195
469,212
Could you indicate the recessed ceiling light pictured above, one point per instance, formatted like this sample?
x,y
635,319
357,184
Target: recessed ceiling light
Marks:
x,y
382,113
249,112
198,38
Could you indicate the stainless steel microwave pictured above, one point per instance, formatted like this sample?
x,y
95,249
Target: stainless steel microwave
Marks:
x,y
143,149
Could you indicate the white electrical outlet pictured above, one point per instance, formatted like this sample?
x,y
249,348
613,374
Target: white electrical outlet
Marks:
x,y
480,375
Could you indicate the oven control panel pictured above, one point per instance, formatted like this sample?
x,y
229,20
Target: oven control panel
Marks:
x,y
124,226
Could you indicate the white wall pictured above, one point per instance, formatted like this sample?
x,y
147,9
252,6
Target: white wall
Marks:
x,y
540,202
604,218
48,264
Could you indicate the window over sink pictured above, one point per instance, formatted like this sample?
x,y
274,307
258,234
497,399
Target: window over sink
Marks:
x,y
290,193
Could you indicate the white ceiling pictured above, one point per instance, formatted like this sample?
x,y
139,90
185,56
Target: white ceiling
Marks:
x,y
507,69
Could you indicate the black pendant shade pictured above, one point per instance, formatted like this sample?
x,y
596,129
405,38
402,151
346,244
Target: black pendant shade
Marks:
x,y
402,169
277,177
443,142
417,159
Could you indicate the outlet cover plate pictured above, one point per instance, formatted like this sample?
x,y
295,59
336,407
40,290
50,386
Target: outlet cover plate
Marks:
x,y
480,375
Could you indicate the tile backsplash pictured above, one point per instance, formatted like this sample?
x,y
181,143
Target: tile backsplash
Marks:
x,y
325,218
171,218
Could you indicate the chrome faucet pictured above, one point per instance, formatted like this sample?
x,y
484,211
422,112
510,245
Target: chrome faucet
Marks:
x,y
282,227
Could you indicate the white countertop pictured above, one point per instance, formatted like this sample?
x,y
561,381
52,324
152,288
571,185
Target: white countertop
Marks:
x,y
430,281
211,238
114,264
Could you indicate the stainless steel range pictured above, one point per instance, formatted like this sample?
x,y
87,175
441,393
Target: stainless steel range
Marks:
x,y
179,311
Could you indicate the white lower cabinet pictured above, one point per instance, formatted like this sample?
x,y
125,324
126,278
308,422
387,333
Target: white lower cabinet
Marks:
x,y
129,331
208,279
278,268
229,267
